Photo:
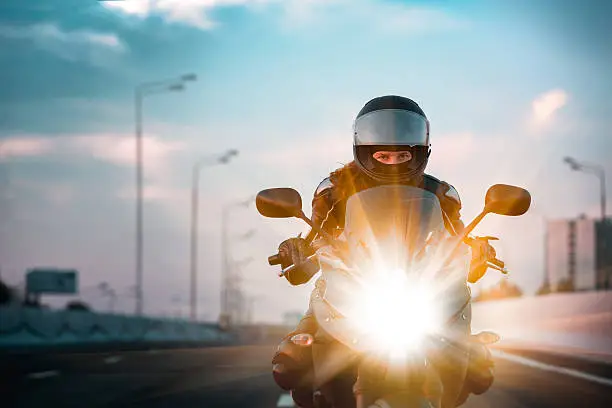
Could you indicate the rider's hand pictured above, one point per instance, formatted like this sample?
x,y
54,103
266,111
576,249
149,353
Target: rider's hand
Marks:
x,y
294,251
482,252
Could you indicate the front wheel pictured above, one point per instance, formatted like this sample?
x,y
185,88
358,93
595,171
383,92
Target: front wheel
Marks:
x,y
401,401
407,386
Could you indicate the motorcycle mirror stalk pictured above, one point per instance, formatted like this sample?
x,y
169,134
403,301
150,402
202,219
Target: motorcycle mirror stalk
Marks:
x,y
501,199
286,203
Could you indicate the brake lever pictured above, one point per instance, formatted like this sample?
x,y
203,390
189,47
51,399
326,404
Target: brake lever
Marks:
x,y
497,265
471,240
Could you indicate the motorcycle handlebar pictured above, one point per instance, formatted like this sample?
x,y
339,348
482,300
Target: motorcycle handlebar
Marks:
x,y
290,268
497,264
274,259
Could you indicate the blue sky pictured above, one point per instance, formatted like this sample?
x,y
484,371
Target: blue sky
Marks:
x,y
510,88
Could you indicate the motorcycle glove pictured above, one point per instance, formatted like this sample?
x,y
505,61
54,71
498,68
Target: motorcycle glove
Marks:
x,y
482,252
295,251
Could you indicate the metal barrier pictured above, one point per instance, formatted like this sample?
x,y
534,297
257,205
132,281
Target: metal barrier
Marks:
x,y
23,327
578,320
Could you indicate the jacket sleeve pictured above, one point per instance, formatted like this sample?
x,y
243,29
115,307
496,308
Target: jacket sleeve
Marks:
x,y
322,207
449,202
451,205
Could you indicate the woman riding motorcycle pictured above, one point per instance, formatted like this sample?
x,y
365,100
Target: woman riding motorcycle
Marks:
x,y
391,146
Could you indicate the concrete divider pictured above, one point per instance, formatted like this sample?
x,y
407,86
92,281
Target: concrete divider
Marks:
x,y
22,328
575,320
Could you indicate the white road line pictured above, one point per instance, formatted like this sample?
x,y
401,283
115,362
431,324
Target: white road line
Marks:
x,y
546,367
285,400
43,374
113,359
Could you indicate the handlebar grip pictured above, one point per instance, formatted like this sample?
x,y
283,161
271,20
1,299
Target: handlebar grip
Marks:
x,y
274,259
498,263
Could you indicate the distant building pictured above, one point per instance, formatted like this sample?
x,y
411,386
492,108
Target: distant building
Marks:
x,y
603,262
579,254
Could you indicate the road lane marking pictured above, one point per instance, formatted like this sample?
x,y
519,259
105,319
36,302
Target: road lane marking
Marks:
x,y
285,400
43,374
547,367
113,359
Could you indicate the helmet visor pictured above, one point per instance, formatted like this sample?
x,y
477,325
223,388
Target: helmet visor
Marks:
x,y
391,127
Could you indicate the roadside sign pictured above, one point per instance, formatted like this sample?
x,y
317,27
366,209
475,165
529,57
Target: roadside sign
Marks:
x,y
58,281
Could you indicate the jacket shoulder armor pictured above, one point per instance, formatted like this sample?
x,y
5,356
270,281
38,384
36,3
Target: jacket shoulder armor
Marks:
x,y
441,189
453,194
324,187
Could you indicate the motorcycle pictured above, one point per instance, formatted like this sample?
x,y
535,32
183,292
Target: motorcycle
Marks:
x,y
393,291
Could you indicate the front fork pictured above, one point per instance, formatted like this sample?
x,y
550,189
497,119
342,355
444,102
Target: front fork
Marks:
x,y
411,382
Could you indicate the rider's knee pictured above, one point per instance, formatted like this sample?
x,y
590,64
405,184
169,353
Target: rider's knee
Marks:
x,y
480,373
292,364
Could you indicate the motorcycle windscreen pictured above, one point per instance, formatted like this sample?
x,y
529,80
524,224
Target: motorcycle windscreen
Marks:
x,y
389,227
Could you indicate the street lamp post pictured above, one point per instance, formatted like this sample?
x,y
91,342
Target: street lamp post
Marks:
x,y
592,169
224,252
175,84
235,297
195,194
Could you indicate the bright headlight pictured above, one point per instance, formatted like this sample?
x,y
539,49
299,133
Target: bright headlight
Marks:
x,y
397,313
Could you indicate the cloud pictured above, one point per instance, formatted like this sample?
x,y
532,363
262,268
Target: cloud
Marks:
x,y
389,16
25,147
117,149
190,12
76,45
545,106
121,149
297,12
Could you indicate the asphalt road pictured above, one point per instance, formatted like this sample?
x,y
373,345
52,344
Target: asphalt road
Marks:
x,y
240,377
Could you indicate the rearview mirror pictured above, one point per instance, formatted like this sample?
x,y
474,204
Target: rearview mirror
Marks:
x,y
509,200
279,203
